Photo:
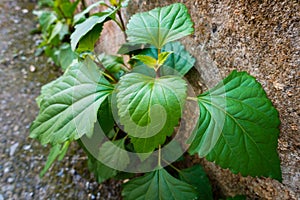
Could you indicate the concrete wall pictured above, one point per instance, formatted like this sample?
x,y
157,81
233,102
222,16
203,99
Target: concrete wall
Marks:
x,y
262,38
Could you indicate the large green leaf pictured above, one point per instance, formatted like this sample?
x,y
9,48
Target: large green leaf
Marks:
x,y
149,108
160,25
177,63
158,185
196,176
85,27
69,108
238,127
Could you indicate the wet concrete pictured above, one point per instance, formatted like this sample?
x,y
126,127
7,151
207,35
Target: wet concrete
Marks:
x,y
21,159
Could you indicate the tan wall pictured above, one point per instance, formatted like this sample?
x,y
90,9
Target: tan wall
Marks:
x,y
262,38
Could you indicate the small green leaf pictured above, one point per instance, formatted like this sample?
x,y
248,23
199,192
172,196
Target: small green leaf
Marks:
x,y
46,18
80,16
101,171
69,108
158,185
149,108
113,153
160,25
114,64
56,151
85,27
56,30
177,63
147,60
196,176
66,56
113,2
88,41
238,127
162,57
68,8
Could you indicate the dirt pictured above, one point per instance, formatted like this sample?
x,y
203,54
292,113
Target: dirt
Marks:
x,y
21,159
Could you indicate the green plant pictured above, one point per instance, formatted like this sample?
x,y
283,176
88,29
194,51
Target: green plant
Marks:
x,y
56,25
124,113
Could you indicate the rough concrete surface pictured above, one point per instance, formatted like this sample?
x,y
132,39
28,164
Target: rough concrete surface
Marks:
x,y
262,38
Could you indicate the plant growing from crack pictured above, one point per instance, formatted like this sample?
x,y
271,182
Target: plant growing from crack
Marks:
x,y
123,114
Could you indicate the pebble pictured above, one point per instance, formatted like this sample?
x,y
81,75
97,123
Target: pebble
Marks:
x,y
10,180
26,147
13,149
16,128
6,170
32,68
1,197
24,11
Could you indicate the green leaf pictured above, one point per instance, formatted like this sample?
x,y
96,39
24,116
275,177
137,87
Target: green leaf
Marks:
x,y
56,151
158,185
88,41
101,171
46,18
105,116
85,27
66,56
111,150
147,60
196,177
56,30
160,25
131,48
78,17
69,107
162,57
68,8
177,63
149,108
238,127
114,64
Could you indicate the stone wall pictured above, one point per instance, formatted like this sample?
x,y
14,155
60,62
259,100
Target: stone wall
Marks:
x,y
262,38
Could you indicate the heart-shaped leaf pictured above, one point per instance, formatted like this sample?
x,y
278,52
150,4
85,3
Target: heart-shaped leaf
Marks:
x,y
149,108
160,25
238,127
158,185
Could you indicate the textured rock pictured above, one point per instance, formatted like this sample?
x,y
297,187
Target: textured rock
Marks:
x,y
262,38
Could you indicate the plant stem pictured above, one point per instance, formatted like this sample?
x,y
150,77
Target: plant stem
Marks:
x,y
157,69
105,72
122,21
159,156
115,136
83,4
192,98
